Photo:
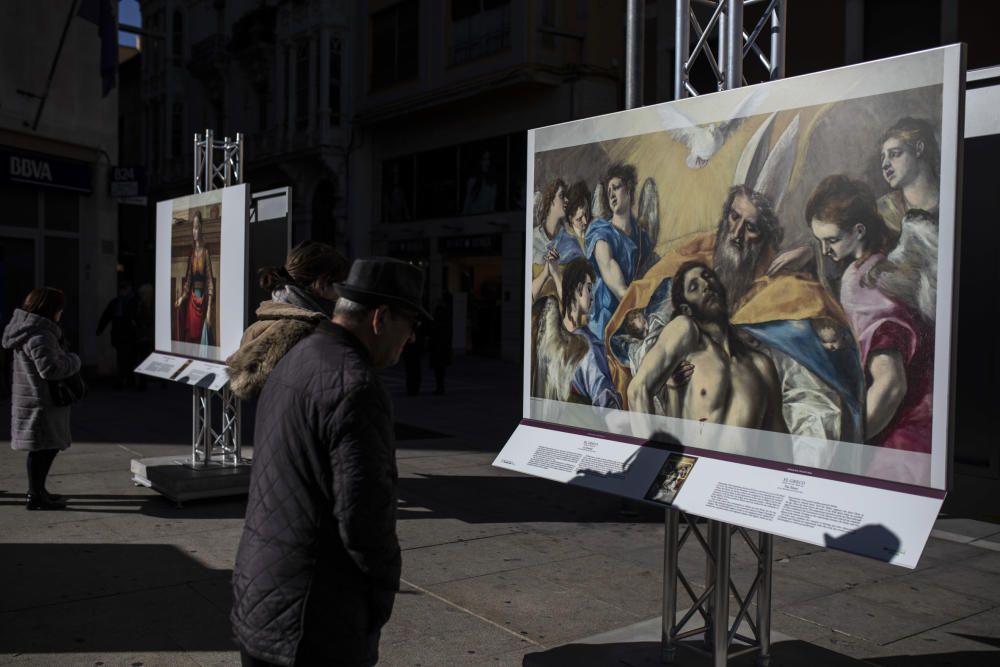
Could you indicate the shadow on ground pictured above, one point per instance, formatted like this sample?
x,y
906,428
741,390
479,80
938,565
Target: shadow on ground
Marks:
x,y
793,653
79,598
146,505
513,500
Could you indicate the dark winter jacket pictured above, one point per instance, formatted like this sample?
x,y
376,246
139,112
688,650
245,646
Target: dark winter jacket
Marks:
x,y
35,422
318,562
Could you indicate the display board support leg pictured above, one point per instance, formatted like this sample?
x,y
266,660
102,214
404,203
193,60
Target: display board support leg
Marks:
x,y
207,445
720,638
671,552
766,555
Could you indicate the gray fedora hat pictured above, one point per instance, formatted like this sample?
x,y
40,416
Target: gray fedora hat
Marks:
x,y
383,280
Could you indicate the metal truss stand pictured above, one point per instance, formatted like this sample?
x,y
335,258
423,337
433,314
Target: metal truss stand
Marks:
x,y
216,466
721,639
209,447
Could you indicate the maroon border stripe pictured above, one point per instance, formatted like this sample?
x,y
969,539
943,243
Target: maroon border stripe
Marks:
x,y
898,487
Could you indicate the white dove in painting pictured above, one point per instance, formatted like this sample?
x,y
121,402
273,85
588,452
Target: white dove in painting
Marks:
x,y
704,141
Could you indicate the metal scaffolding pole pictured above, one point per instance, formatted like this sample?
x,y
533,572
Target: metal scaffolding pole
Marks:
x,y
732,46
207,445
634,27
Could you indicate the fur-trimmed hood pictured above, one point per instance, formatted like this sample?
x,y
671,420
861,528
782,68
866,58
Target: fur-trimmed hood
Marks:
x,y
278,328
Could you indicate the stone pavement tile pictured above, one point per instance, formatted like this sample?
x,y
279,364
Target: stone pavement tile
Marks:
x,y
35,575
461,560
450,462
609,538
105,659
987,561
211,658
513,658
418,528
825,637
922,648
21,526
424,630
638,589
861,618
538,608
834,568
984,627
938,605
937,552
963,578
213,548
968,528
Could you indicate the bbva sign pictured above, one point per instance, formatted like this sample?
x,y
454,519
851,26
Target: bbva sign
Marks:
x,y
26,167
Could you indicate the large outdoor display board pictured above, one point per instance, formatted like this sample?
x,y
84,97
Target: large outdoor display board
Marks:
x,y
200,273
742,304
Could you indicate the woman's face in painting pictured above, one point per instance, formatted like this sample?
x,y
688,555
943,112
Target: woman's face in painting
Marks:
x,y
559,204
579,221
900,161
838,242
196,229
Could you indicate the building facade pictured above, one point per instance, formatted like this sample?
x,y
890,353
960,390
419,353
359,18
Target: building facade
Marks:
x,y
447,92
272,71
58,143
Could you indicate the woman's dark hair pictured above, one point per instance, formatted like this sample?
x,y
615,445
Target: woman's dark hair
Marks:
x,y
307,262
548,195
845,202
44,301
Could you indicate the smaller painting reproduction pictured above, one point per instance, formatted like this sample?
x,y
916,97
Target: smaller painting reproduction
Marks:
x,y
671,478
195,237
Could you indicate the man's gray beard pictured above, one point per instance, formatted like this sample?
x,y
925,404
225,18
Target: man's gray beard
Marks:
x,y
736,270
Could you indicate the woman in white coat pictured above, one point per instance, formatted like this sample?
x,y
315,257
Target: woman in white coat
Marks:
x,y
38,425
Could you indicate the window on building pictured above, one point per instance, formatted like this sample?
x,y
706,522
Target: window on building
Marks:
x,y
397,189
177,129
483,176
394,44
335,79
20,205
62,210
302,84
177,40
479,28
437,183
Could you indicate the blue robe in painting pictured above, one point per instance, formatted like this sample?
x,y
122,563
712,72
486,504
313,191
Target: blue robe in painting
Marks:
x,y
628,251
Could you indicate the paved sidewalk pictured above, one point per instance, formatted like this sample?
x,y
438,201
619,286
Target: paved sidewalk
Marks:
x,y
498,568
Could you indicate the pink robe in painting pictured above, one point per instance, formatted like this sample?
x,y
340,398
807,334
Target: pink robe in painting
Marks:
x,y
880,322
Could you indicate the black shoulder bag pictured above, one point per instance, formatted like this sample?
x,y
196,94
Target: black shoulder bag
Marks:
x,y
68,390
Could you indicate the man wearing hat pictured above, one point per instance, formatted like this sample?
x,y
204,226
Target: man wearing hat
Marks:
x,y
318,563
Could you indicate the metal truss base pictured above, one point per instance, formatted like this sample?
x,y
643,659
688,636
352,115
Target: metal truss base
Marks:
x,y
179,480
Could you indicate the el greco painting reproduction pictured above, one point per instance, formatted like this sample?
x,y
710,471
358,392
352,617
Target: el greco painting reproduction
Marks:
x,y
765,272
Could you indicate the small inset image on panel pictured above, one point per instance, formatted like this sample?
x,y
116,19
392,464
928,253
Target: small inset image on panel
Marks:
x,y
670,478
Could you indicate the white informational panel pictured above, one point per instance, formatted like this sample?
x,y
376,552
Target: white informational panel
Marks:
x,y
201,254
197,373
888,522
761,277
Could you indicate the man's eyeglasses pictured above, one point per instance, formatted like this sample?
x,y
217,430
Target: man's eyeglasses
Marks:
x,y
412,317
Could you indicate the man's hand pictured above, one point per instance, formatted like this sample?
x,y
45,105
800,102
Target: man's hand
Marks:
x,y
681,375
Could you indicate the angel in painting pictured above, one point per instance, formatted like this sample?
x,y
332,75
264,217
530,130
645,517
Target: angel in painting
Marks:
x,y
619,245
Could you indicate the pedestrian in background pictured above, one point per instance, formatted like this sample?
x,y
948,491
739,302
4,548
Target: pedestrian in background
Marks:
x,y
303,294
318,563
37,424
441,341
120,313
